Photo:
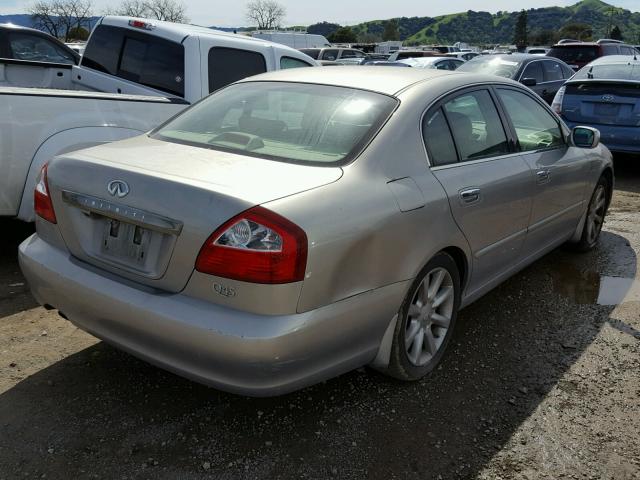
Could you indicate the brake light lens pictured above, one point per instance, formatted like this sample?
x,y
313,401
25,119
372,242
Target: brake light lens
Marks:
x,y
41,198
556,105
140,24
257,246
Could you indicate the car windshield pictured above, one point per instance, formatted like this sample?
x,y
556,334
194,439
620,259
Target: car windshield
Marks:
x,y
293,122
570,54
491,65
611,71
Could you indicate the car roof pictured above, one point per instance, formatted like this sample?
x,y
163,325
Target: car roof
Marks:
x,y
13,26
387,81
616,59
178,31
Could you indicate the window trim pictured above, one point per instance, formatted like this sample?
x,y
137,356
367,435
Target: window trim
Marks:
x,y
439,103
512,128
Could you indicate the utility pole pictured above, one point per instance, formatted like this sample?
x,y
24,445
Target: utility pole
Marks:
x,y
610,23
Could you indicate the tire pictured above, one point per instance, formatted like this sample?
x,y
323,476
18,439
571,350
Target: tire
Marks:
x,y
412,358
596,212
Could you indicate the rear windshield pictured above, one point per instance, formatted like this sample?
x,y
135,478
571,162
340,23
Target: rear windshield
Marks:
x,y
292,122
491,65
571,54
138,57
612,71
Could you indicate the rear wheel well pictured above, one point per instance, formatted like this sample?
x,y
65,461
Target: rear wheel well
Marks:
x,y
461,262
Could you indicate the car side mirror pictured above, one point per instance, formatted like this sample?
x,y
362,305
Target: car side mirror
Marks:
x,y
529,82
585,137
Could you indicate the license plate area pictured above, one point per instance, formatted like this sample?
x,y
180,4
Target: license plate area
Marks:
x,y
607,109
125,241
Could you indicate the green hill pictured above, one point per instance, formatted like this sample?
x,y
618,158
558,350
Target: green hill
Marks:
x,y
486,28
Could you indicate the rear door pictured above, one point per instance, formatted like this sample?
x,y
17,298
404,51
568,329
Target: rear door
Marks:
x,y
487,183
560,171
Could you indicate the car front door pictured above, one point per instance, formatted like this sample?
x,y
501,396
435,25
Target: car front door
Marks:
x,y
488,185
560,171
534,71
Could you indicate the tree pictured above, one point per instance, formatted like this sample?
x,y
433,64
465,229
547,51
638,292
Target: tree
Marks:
x,y
616,34
60,17
166,10
78,34
577,31
520,34
343,35
323,28
391,32
266,14
543,37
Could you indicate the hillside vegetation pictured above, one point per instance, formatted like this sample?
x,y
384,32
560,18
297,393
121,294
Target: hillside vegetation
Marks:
x,y
486,28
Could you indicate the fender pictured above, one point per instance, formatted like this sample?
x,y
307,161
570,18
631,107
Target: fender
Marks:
x,y
64,142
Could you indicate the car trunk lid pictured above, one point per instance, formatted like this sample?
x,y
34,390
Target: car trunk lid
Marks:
x,y
602,103
143,208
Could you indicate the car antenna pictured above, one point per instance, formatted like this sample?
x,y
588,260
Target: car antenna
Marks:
x,y
590,73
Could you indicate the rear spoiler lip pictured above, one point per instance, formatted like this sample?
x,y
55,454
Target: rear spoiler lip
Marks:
x,y
601,80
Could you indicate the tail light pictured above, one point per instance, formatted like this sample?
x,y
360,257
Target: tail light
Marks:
x,y
257,246
556,105
41,198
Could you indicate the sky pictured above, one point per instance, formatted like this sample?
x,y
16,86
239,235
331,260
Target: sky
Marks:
x,y
229,13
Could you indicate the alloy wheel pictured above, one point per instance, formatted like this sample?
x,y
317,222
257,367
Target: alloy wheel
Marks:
x,y
429,316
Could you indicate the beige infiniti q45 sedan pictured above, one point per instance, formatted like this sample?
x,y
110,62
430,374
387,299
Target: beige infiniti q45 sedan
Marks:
x,y
299,224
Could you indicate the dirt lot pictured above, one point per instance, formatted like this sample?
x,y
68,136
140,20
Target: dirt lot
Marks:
x,y
542,381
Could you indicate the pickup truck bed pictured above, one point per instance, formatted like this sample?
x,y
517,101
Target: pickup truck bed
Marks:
x,y
41,123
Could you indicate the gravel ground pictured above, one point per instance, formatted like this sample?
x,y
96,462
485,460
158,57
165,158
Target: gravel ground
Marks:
x,y
540,381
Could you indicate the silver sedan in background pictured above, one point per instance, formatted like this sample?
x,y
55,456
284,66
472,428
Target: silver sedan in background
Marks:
x,y
299,224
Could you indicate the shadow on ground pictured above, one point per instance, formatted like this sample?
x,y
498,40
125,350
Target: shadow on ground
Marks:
x,y
102,412
14,292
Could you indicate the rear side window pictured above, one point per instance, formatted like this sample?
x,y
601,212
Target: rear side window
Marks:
x,y
476,126
134,56
330,54
34,48
535,127
438,139
290,62
609,49
228,65
534,70
552,71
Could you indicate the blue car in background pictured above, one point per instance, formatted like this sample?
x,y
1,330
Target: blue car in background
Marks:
x,y
605,94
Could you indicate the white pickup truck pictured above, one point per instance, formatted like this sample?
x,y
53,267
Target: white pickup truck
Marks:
x,y
134,75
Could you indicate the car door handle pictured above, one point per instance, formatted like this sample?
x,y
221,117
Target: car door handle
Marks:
x,y
542,176
470,195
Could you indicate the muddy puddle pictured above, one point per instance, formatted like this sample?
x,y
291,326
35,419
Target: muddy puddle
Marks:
x,y
588,287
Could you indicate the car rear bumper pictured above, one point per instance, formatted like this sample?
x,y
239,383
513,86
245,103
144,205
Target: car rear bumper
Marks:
x,y
235,351
621,139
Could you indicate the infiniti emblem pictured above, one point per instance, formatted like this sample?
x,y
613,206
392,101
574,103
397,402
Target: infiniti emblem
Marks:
x,y
118,188
608,98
